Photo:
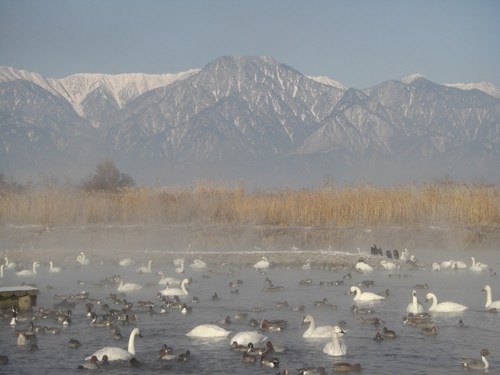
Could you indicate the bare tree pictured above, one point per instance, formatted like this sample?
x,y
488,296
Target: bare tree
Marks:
x,y
107,177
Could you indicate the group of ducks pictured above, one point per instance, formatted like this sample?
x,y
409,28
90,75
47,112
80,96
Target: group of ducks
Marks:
x,y
245,342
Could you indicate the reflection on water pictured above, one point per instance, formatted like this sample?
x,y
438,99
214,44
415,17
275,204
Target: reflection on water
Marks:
x,y
410,353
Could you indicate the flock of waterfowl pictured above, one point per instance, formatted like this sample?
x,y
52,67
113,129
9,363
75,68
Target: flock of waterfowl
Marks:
x,y
252,345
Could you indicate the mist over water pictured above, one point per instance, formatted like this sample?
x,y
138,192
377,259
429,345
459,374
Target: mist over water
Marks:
x,y
410,353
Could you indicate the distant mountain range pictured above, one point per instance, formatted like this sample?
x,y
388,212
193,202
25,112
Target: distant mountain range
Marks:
x,y
248,119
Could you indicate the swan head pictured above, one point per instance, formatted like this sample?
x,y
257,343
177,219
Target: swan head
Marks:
x,y
487,288
414,294
307,319
337,330
353,290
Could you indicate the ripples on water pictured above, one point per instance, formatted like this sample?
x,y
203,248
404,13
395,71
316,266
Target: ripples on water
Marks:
x,y
410,353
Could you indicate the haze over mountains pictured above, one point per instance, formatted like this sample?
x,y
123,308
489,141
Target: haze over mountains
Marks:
x,y
247,119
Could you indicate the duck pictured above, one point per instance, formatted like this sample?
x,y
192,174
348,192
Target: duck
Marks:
x,y
476,364
313,331
271,348
246,337
389,333
126,262
346,367
336,347
324,303
414,306
208,330
262,264
27,273
166,356
431,331
489,303
248,358
268,361
378,337
145,268
53,269
312,371
272,325
444,307
239,348
182,291
253,350
365,296
128,287
115,353
91,364
74,343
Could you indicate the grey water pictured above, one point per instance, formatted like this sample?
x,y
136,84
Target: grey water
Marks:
x,y
410,353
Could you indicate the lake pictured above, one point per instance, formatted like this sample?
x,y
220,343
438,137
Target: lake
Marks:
x,y
410,353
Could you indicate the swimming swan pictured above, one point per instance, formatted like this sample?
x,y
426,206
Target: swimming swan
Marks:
x,y
126,262
32,272
247,337
336,347
414,306
365,296
144,268
262,264
52,268
82,259
128,287
115,353
361,265
176,291
198,264
167,280
208,330
489,304
449,307
313,331
478,266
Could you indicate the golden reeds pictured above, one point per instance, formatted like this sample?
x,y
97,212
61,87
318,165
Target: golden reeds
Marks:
x,y
222,203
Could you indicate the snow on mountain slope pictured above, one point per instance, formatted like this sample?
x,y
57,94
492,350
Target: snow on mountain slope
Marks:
x,y
328,81
486,87
75,88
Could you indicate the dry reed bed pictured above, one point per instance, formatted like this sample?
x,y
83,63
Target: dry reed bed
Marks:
x,y
220,203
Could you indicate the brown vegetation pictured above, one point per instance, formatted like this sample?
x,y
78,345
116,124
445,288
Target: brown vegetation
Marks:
x,y
222,203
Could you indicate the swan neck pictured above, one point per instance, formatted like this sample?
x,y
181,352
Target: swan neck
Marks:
x,y
131,343
485,361
488,297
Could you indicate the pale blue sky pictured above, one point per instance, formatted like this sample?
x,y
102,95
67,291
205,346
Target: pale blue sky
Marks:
x,y
359,43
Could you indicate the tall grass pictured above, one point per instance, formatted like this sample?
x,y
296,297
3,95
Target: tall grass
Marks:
x,y
223,203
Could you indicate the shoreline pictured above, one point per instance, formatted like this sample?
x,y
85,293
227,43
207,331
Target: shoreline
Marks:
x,y
324,247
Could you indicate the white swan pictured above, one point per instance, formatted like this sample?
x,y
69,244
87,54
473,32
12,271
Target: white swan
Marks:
x,y
52,268
262,264
208,330
198,264
9,265
313,331
128,287
167,280
336,347
177,262
1,270
365,296
414,306
31,272
115,353
449,307
126,262
477,266
176,291
361,265
388,265
436,266
489,304
247,337
144,268
82,259
180,268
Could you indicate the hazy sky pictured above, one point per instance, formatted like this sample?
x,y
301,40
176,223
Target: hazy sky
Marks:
x,y
359,43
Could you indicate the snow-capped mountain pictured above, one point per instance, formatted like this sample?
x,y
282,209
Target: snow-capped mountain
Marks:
x,y
486,87
246,118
